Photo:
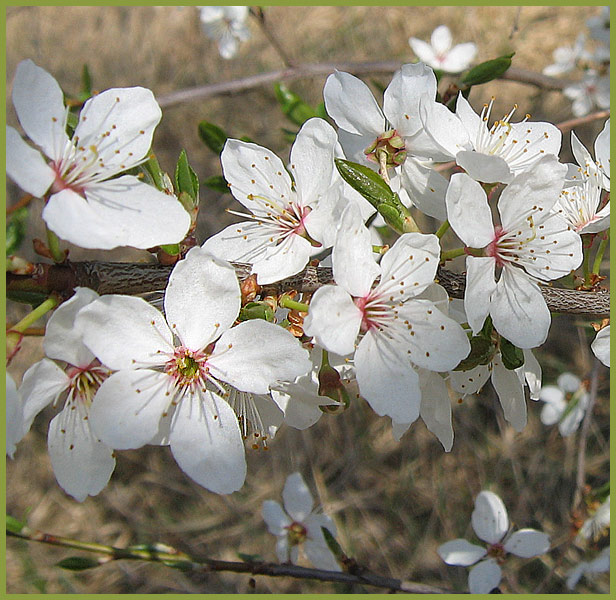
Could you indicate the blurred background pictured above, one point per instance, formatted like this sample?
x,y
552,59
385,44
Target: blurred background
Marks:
x,y
393,502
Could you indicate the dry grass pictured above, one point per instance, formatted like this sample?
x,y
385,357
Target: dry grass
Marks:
x,y
394,503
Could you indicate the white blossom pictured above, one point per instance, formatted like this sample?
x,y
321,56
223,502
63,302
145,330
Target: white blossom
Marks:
x,y
565,403
289,221
401,330
566,57
592,91
491,524
394,135
227,26
440,54
81,463
297,525
173,373
530,245
88,205
487,153
14,417
596,524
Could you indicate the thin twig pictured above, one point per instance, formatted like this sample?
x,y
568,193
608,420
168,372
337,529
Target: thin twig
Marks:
x,y
580,479
571,123
259,15
161,553
319,69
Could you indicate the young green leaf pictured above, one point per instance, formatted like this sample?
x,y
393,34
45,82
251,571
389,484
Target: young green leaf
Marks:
x,y
366,181
16,230
77,563
217,183
212,136
487,71
185,178
513,357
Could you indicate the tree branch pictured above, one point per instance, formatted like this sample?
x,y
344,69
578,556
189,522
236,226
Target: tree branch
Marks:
x,y
161,553
319,69
141,278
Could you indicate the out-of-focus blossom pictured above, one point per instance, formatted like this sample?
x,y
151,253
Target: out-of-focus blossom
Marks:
x,y
589,569
227,26
565,403
592,91
601,346
439,53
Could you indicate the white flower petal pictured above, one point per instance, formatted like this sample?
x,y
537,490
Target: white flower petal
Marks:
x,y
252,170
424,52
274,517
297,498
255,355
119,124
425,187
431,339
202,298
206,442
62,339
518,309
444,127
528,543
350,103
81,463
468,211
532,374
128,407
118,212
441,39
388,382
334,320
39,104
26,166
489,518
125,332
321,556
601,346
602,151
401,98
409,266
435,409
461,552
471,381
40,385
312,159
480,288
228,46
484,577
510,394
484,167
353,266
459,58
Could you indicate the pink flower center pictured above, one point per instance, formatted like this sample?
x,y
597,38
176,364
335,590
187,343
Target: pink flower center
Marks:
x,y
84,383
187,367
297,533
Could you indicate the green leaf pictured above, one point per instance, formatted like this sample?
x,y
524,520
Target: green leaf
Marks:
x,y
487,71
289,135
16,230
392,217
86,84
14,525
482,352
513,357
321,112
155,173
249,558
367,182
217,183
212,136
77,563
186,179
171,249
333,544
33,298
295,109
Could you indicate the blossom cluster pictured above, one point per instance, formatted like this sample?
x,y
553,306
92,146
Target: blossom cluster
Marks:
x,y
201,376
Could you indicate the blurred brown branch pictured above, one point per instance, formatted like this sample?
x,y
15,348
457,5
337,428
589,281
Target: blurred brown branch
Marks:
x,y
319,69
171,557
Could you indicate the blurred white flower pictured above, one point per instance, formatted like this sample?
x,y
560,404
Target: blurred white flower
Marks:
x,y
299,526
491,523
601,346
593,90
601,564
595,525
566,57
81,463
88,205
439,54
565,403
599,26
225,25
